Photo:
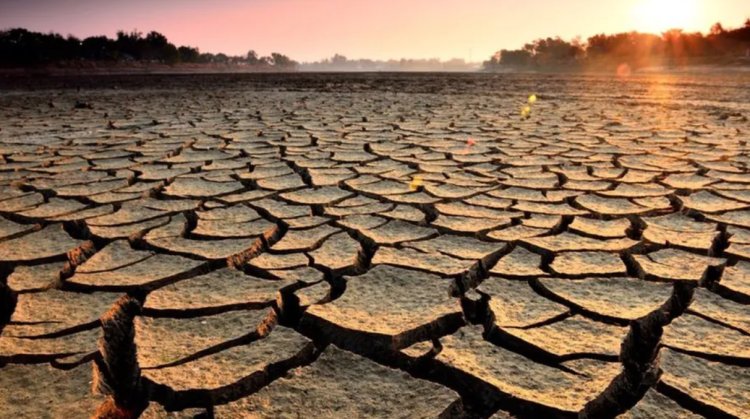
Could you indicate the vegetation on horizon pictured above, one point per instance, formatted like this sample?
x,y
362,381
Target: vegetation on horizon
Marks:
x,y
341,63
23,48
632,49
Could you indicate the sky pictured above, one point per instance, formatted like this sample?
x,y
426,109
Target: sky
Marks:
x,y
309,30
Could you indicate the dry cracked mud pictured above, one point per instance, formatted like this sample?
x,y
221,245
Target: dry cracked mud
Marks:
x,y
309,245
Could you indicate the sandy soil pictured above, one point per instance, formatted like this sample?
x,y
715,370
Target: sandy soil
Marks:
x,y
375,245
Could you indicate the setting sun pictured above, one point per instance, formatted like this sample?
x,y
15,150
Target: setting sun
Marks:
x,y
661,15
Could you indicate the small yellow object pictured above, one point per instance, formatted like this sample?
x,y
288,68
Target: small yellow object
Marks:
x,y
416,182
526,111
532,99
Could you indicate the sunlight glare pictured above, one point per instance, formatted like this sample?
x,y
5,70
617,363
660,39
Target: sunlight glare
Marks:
x,y
657,16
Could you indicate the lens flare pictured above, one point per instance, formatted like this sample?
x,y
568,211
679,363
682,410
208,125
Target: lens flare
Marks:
x,y
526,112
623,70
416,182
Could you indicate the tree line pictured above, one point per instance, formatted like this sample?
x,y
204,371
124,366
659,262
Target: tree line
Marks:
x,y
23,48
637,50
341,63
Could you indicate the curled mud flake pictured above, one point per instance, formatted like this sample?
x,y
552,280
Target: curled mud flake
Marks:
x,y
50,243
226,373
535,386
587,263
39,390
342,383
711,388
392,307
194,337
514,303
676,265
617,298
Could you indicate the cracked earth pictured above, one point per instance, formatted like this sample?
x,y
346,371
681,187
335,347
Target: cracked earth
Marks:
x,y
375,246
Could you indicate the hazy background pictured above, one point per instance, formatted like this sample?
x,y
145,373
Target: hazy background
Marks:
x,y
309,30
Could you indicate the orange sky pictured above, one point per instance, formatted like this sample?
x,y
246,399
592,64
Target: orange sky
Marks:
x,y
309,30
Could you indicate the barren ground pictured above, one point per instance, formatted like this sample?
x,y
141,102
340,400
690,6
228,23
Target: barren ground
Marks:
x,y
387,245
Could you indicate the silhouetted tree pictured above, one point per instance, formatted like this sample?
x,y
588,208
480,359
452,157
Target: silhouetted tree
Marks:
x,y
155,47
127,45
206,57
635,49
717,29
188,54
252,58
520,57
553,51
281,61
338,60
20,48
98,48
221,58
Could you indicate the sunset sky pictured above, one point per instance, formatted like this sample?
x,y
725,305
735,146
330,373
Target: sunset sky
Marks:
x,y
309,30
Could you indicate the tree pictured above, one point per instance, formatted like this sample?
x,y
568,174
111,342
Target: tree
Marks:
x,y
519,57
22,48
206,57
129,45
553,51
221,58
188,54
252,58
338,60
282,61
156,40
632,48
493,63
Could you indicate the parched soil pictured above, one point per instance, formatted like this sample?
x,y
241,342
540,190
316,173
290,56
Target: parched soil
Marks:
x,y
375,245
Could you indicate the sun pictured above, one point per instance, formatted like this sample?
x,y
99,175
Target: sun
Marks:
x,y
660,15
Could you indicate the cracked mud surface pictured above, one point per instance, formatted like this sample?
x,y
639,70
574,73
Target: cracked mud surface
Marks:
x,y
375,246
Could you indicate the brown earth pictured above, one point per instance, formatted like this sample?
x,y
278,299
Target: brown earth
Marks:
x,y
375,245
